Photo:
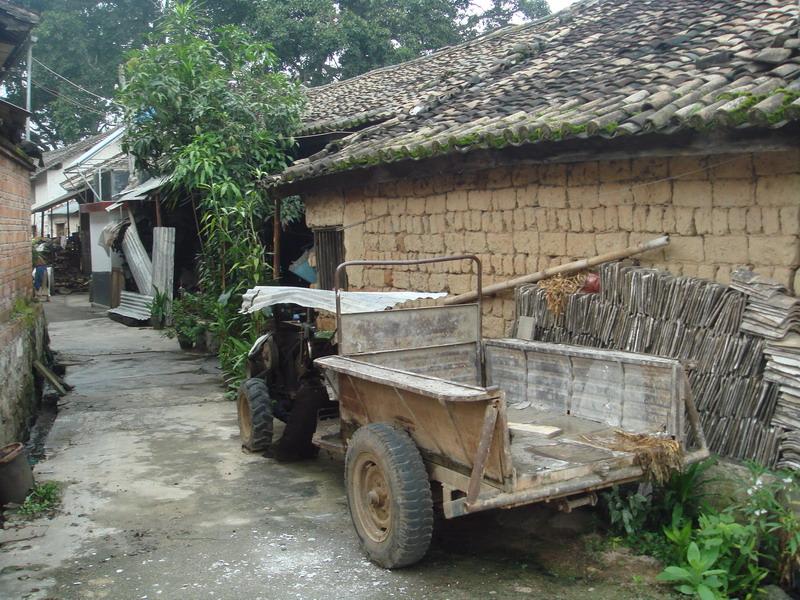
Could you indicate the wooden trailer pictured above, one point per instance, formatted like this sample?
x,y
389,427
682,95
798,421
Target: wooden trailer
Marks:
x,y
430,413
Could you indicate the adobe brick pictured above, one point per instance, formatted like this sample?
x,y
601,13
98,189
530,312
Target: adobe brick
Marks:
x,y
729,249
692,193
779,190
733,192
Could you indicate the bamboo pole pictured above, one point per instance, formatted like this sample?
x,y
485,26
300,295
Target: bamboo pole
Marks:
x,y
276,238
571,267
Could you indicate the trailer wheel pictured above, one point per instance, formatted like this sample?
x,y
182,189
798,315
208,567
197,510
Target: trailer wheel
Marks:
x,y
389,495
254,408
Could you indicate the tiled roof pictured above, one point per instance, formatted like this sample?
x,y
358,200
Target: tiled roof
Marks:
x,y
604,68
383,93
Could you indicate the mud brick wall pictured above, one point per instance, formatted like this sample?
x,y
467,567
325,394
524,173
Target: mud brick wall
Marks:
x,y
721,211
15,233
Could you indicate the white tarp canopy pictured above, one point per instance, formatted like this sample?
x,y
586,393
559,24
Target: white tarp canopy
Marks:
x,y
262,297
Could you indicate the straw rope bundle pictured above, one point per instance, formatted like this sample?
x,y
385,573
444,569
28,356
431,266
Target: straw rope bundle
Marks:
x,y
558,288
658,456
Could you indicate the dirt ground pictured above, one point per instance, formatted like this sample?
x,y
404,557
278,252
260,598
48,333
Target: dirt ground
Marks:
x,y
159,501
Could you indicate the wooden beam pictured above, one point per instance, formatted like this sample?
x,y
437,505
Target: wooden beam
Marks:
x,y
54,380
157,202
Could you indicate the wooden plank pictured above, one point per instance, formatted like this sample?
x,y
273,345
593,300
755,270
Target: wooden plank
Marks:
x,y
482,455
445,432
453,362
54,379
543,430
426,385
408,328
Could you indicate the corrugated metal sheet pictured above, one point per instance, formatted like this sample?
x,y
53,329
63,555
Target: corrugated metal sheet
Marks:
x,y
133,306
163,259
138,260
264,296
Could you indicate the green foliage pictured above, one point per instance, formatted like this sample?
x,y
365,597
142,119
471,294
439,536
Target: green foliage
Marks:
x,y
25,310
36,256
714,554
697,578
233,359
187,313
318,41
768,510
159,308
628,512
209,107
324,40
85,42
43,498
684,490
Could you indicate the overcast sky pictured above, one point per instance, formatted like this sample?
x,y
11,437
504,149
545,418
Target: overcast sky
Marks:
x,y
556,5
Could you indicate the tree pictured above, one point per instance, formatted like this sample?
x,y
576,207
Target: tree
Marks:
x,y
502,12
316,40
84,41
326,40
209,107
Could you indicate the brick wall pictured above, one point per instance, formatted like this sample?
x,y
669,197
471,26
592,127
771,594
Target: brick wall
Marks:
x,y
15,233
20,344
721,211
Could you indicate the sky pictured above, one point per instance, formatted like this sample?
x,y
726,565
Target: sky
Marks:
x,y
556,5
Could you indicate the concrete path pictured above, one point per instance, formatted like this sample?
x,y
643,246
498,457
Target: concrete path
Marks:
x,y
159,501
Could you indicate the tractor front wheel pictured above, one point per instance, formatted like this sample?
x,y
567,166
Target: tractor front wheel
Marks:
x,y
254,408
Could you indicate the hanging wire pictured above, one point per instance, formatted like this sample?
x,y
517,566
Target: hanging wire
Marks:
x,y
72,83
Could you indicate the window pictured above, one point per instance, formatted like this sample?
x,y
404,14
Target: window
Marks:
x,y
329,248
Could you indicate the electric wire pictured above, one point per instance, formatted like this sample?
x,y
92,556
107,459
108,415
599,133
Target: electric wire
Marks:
x,y
72,83
72,101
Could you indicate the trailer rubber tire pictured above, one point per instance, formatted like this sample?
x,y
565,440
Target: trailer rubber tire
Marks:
x,y
389,495
254,408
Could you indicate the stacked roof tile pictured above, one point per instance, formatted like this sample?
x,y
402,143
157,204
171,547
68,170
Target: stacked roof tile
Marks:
x,y
604,68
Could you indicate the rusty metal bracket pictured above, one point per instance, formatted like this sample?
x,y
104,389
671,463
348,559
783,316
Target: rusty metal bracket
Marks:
x,y
482,455
567,505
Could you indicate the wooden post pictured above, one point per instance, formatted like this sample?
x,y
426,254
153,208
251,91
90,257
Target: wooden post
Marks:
x,y
41,233
276,239
157,200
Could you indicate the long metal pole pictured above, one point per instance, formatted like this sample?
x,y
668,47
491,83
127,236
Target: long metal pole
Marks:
x,y
28,90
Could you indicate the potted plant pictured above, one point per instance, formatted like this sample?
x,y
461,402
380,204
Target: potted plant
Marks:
x,y
185,321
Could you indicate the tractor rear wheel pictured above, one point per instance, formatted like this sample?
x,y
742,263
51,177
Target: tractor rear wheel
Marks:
x,y
254,408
